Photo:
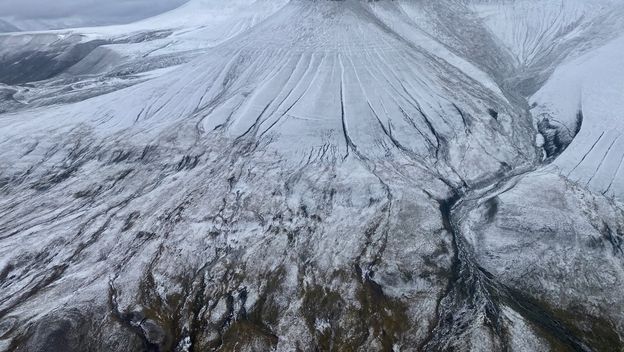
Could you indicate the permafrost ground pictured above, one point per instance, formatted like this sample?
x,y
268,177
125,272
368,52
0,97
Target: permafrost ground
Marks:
x,y
317,175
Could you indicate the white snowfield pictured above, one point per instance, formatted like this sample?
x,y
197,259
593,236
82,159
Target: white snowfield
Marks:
x,y
198,24
316,175
594,85
533,30
76,64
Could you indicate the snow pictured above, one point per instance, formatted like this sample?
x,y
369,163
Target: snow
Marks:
x,y
6,26
166,40
530,29
593,84
314,173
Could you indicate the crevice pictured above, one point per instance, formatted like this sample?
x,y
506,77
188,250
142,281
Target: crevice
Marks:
x,y
586,154
348,142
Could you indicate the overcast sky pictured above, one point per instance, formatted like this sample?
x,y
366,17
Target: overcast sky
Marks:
x,y
90,11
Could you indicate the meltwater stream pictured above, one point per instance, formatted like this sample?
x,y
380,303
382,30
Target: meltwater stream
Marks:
x,y
474,295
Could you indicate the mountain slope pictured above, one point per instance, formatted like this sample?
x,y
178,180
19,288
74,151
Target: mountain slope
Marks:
x,y
74,64
306,175
7,27
590,88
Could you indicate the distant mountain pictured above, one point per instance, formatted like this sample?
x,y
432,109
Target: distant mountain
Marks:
x,y
123,14
44,24
6,27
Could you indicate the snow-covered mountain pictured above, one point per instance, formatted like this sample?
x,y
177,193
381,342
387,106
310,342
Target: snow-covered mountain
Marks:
x,y
316,175
7,27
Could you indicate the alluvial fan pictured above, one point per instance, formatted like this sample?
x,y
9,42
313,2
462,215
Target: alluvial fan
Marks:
x,y
322,175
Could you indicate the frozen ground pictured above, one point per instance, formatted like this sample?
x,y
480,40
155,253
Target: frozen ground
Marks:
x,y
6,26
592,85
316,175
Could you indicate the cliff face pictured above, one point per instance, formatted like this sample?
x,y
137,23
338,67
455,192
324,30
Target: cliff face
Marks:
x,y
309,175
